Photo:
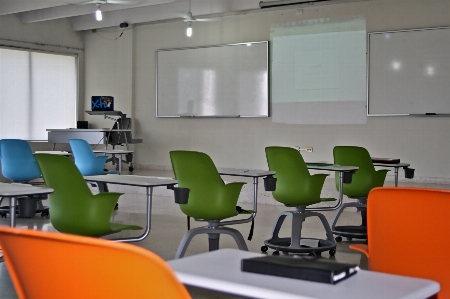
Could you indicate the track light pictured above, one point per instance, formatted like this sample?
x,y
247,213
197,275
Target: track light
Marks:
x,y
189,29
98,14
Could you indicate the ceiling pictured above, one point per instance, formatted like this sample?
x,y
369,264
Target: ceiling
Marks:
x,y
115,12
82,12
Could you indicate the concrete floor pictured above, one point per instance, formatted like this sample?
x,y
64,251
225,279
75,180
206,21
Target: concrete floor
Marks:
x,y
169,226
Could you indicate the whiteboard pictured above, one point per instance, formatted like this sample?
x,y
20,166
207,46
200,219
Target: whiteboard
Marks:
x,y
409,72
214,81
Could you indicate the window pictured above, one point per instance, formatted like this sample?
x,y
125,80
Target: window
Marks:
x,y
38,91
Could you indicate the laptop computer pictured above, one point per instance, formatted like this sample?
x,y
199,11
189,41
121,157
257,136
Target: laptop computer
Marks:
x,y
102,103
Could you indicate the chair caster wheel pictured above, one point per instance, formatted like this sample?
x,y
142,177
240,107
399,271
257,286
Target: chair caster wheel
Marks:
x,y
332,252
338,239
264,248
349,239
45,214
116,207
312,253
130,169
276,253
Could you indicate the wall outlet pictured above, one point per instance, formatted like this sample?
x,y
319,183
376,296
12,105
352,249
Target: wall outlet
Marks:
x,y
307,149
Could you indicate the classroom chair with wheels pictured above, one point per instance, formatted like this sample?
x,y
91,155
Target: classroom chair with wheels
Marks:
x,y
75,210
408,234
297,188
364,179
210,199
18,165
74,267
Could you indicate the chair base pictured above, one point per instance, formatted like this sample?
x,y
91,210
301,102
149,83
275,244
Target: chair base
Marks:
x,y
351,231
297,244
213,229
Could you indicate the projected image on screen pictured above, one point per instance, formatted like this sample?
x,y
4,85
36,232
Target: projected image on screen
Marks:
x,y
319,72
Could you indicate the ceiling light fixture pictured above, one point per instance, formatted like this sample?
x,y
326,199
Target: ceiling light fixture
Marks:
x,y
98,14
189,29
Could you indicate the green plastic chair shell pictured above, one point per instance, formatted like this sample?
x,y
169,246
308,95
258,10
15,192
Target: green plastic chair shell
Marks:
x,y
74,209
209,197
365,178
295,185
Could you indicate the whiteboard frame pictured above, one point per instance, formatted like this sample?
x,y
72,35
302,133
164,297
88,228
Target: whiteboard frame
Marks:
x,y
215,46
368,68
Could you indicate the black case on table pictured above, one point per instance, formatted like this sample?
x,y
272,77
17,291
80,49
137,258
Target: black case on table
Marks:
x,y
305,268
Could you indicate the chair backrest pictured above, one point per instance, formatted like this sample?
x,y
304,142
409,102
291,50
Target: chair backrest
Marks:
x,y
408,233
365,178
18,163
69,266
294,184
85,159
71,195
207,199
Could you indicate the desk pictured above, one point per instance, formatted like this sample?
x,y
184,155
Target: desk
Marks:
x,y
252,173
395,166
117,152
59,153
343,170
133,180
92,136
13,191
221,271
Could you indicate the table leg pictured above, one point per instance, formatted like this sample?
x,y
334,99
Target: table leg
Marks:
x,y
12,211
148,219
120,163
396,177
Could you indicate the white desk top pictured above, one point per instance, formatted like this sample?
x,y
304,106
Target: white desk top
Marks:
x,y
131,180
391,165
60,153
330,167
245,172
221,271
14,190
116,152
88,130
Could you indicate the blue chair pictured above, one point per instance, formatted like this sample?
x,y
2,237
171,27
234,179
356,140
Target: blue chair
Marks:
x,y
85,159
20,166
18,163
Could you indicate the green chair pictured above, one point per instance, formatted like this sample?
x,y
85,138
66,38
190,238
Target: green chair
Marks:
x,y
364,179
210,199
296,187
74,209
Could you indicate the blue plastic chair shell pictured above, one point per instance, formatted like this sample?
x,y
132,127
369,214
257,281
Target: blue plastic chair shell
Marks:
x,y
85,159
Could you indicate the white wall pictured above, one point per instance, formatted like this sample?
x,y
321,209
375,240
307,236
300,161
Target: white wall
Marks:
x,y
423,142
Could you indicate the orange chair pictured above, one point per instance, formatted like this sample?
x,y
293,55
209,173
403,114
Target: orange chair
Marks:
x,y
408,234
72,266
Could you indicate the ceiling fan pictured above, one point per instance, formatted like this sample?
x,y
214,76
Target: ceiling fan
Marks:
x,y
103,2
189,19
98,3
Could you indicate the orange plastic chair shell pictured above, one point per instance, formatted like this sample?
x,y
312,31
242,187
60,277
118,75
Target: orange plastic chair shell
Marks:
x,y
52,265
408,234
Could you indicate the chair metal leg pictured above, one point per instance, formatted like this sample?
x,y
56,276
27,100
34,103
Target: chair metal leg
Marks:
x,y
214,242
294,242
351,231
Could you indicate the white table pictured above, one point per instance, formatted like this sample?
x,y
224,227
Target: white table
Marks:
x,y
115,152
343,170
396,166
59,153
133,180
252,173
221,271
15,190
